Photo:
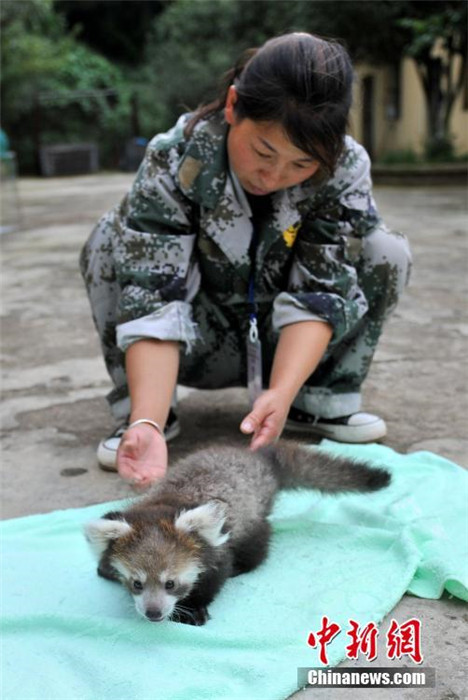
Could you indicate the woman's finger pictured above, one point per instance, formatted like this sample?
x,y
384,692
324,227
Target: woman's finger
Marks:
x,y
251,423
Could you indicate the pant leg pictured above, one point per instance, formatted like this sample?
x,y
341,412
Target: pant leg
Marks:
x,y
97,268
383,267
217,358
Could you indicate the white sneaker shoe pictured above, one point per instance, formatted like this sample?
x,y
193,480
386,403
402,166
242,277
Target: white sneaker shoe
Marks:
x,y
356,428
107,448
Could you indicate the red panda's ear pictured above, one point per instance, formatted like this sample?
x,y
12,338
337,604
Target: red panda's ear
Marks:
x,y
100,532
207,520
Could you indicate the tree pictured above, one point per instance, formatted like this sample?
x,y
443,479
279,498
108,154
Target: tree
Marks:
x,y
437,40
43,68
194,42
433,33
33,42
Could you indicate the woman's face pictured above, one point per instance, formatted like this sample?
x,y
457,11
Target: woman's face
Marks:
x,y
262,156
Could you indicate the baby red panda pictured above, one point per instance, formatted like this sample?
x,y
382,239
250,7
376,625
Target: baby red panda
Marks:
x,y
207,520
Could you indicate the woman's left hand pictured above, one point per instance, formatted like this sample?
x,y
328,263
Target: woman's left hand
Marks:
x,y
266,419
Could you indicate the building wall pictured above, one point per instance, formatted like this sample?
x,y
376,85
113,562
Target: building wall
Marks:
x,y
405,129
459,122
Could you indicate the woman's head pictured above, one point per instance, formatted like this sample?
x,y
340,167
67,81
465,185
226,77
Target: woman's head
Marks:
x,y
304,84
298,82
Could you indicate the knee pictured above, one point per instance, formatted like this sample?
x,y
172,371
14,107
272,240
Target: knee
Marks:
x,y
96,257
388,252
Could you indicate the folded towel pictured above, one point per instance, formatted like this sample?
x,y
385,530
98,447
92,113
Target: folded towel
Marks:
x,y
69,635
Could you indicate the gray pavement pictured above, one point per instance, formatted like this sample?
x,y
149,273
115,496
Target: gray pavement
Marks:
x,y
54,382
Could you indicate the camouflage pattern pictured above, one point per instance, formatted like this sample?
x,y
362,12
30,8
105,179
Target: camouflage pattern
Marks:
x,y
172,262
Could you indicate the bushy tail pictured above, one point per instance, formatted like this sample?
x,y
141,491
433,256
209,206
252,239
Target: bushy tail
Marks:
x,y
298,466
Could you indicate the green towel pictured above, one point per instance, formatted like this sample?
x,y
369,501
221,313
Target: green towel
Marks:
x,y
69,635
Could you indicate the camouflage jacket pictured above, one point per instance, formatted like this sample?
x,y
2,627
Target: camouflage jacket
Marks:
x,y
185,226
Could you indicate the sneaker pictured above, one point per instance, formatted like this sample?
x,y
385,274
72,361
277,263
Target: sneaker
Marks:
x,y
356,428
107,449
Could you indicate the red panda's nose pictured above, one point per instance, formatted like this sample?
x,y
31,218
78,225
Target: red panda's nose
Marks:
x,y
154,614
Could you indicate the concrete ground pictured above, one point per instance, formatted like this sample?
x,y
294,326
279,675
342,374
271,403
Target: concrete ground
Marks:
x,y
54,383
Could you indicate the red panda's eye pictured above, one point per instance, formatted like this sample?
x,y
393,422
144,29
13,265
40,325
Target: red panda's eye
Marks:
x,y
169,584
137,585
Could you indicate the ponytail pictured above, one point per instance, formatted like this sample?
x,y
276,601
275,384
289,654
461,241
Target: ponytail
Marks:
x,y
227,79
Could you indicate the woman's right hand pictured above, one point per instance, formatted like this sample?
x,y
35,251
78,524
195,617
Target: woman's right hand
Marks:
x,y
142,456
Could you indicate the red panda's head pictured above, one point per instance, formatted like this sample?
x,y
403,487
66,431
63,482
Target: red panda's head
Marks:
x,y
159,562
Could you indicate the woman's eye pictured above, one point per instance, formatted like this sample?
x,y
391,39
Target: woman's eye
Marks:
x,y
169,585
262,155
137,585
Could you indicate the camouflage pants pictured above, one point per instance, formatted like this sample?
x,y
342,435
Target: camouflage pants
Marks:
x,y
218,358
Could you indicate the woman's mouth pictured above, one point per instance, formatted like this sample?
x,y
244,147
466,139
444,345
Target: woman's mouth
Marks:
x,y
256,190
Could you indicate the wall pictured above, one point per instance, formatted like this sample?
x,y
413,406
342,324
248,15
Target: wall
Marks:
x,y
406,130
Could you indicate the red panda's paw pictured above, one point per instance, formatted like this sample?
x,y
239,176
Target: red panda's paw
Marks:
x,y
192,616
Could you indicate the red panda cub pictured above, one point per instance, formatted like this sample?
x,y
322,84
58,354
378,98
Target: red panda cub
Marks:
x,y
207,520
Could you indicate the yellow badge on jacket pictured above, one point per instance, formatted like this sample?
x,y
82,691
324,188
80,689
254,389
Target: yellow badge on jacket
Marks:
x,y
290,234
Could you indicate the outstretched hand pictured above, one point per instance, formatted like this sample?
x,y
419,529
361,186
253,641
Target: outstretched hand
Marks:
x,y
266,419
142,456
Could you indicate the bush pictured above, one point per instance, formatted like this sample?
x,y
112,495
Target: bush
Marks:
x,y
440,150
404,157
52,86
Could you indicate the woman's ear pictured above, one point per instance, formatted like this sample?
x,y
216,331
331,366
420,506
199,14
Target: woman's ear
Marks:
x,y
231,100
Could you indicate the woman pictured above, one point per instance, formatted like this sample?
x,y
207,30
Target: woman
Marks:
x,y
251,221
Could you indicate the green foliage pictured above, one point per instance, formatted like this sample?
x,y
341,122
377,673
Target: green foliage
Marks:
x,y
31,49
445,23
403,157
47,82
171,54
440,150
194,42
435,152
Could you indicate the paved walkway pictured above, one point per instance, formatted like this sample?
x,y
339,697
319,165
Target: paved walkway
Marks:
x,y
54,411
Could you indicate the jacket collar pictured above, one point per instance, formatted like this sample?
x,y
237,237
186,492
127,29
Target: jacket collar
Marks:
x,y
203,169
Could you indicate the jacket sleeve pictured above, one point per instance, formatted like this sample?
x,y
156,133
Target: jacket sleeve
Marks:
x,y
323,282
152,251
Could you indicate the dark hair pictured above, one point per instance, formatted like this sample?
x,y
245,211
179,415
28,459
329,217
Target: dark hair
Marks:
x,y
300,81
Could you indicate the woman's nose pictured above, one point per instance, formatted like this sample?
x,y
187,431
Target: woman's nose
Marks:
x,y
270,177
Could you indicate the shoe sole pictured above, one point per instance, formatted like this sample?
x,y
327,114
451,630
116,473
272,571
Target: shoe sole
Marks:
x,y
107,459
357,435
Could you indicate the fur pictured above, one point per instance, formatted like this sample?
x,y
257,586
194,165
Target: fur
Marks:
x,y
207,520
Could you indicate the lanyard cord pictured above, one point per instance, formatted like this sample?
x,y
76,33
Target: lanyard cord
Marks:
x,y
253,332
